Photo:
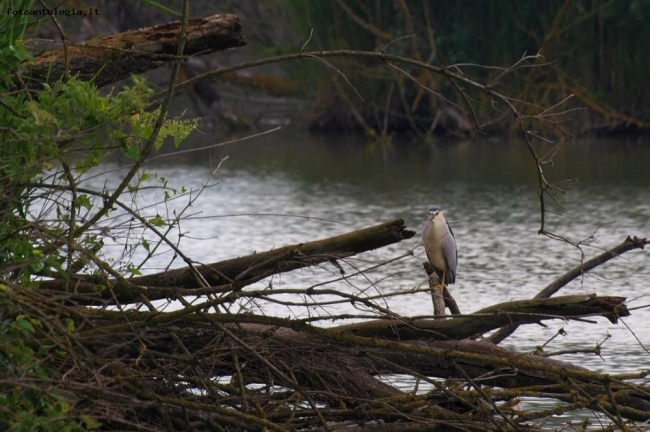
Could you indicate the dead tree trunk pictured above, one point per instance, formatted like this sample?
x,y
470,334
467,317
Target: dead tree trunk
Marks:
x,y
111,58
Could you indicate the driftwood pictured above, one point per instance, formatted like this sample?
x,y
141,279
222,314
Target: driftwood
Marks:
x,y
233,274
109,59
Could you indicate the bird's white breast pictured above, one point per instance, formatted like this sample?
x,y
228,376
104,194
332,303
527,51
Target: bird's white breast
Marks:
x,y
432,238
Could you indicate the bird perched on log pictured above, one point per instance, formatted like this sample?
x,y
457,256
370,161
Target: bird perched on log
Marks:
x,y
440,246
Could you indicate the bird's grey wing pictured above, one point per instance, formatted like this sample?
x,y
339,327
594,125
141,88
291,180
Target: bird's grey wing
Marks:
x,y
450,252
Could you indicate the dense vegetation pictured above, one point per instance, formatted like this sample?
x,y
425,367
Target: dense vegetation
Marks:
x,y
598,52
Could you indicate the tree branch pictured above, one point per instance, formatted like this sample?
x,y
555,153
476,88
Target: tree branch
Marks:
x,y
490,318
628,245
232,274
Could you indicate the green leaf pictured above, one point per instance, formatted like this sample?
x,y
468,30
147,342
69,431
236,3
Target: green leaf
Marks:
x,y
157,221
69,324
22,322
134,271
133,152
60,270
83,201
90,422
146,245
36,267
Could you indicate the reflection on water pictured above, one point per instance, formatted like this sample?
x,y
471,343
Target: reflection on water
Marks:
x,y
288,188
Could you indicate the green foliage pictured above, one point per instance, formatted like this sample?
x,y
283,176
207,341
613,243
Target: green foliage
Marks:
x,y
12,50
177,130
70,121
27,402
142,126
50,137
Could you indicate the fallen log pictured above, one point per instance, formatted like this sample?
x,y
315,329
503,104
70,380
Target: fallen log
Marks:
x,y
232,274
111,58
490,318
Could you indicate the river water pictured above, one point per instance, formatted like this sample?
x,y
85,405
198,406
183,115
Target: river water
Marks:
x,y
286,187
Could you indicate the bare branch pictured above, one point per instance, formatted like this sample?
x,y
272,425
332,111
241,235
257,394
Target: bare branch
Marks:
x,y
628,245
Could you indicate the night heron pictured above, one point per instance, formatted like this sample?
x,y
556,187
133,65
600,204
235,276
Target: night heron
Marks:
x,y
440,246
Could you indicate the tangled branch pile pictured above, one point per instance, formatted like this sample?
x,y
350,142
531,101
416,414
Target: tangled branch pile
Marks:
x,y
201,367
